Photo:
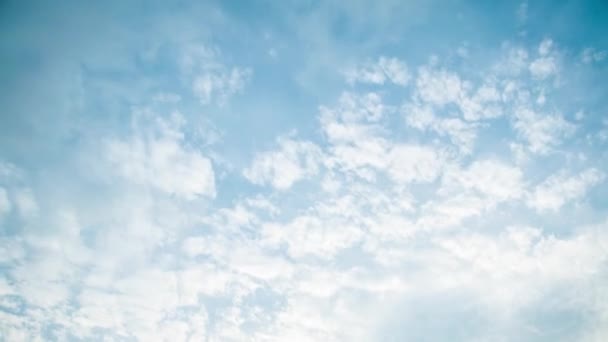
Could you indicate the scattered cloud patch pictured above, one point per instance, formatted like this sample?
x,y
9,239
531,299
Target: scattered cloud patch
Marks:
x,y
293,161
546,64
591,55
220,85
383,71
162,160
542,132
561,188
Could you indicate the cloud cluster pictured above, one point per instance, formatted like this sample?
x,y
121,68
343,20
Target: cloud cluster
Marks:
x,y
428,203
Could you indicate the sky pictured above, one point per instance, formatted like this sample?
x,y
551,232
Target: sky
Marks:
x,y
304,170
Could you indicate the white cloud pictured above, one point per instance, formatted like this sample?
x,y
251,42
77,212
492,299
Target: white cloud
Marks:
x,y
545,47
439,87
354,130
396,71
561,188
522,258
450,211
308,236
219,86
514,62
293,161
210,79
438,92
591,55
546,64
543,132
543,67
163,161
411,163
469,192
384,70
392,220
483,104
353,108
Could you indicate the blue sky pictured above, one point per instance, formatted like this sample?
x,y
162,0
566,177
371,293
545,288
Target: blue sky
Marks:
x,y
303,171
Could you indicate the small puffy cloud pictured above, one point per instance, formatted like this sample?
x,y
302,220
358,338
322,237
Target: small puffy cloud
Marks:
x,y
220,85
559,189
494,179
591,55
163,161
545,47
546,64
354,130
514,63
211,80
354,119
483,104
543,132
460,133
293,161
439,87
384,70
396,71
544,67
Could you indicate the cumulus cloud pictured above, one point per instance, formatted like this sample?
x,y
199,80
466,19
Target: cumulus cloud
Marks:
x,y
294,160
211,80
162,160
468,192
460,133
543,132
546,64
559,189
